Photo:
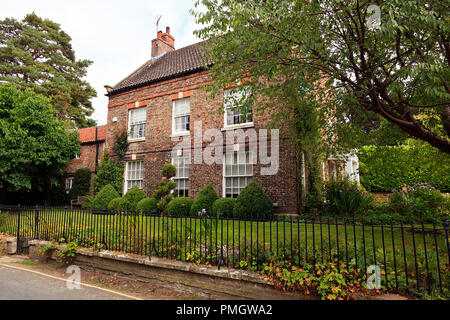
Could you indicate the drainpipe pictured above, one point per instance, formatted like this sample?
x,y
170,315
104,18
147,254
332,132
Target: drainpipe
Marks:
x,y
96,149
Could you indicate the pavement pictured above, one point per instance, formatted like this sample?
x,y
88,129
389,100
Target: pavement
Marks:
x,y
18,282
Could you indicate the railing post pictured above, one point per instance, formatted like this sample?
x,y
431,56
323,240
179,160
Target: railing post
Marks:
x,y
36,223
18,248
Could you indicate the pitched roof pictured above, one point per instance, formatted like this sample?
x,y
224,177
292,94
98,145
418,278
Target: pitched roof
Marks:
x,y
183,61
88,134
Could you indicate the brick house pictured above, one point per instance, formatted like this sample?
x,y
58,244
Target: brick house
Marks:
x,y
92,147
160,103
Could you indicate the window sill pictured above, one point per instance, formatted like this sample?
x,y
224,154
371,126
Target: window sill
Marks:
x,y
136,140
239,126
180,134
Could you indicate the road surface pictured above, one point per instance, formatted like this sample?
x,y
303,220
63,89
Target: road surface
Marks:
x,y
21,284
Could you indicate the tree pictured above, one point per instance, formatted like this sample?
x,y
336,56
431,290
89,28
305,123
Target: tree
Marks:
x,y
398,71
34,146
35,53
81,183
109,172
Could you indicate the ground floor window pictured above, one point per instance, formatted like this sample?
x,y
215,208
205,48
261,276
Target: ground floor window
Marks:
x,y
134,175
69,183
182,177
237,172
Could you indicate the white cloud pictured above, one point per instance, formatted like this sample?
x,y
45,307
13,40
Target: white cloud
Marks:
x,y
115,35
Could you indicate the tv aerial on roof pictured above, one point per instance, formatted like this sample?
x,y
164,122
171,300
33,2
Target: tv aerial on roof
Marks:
x,y
158,18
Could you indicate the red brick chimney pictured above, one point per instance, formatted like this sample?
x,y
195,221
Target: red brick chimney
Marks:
x,y
164,42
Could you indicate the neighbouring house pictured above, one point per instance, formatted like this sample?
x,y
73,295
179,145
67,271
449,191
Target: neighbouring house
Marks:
x,y
92,147
161,102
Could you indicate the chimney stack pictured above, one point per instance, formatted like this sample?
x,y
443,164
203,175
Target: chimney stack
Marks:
x,y
164,42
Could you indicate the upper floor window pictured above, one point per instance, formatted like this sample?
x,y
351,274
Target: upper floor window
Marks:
x,y
235,115
136,123
181,116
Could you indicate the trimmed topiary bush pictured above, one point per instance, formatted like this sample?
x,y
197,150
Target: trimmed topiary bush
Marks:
x,y
115,204
148,206
224,206
104,197
180,207
204,200
164,192
253,202
131,199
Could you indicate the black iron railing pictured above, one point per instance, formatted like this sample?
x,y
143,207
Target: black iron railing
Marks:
x,y
411,256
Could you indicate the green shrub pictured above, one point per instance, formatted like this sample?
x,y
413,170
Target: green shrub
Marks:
x,y
131,199
204,200
148,206
81,183
109,172
115,204
385,168
253,202
224,207
346,198
104,197
180,207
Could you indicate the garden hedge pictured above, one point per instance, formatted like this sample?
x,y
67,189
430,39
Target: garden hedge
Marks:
x,y
204,200
224,207
180,207
385,168
253,202
147,205
131,199
115,204
104,197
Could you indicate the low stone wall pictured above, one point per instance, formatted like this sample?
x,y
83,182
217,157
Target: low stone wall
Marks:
x,y
235,283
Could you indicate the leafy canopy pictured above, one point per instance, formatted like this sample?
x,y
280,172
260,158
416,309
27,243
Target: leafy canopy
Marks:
x,y
35,53
399,71
34,146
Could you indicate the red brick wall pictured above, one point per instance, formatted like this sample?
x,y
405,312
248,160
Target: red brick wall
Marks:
x,y
156,149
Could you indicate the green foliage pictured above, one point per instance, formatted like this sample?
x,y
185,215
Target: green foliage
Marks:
x,y
416,203
180,207
3,218
164,193
115,204
67,253
345,198
120,146
169,171
253,202
204,200
132,198
401,80
35,147
104,197
36,54
148,206
386,168
81,183
109,172
224,207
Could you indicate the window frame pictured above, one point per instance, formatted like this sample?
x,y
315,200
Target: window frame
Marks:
x,y
185,132
125,183
247,176
187,162
131,124
226,108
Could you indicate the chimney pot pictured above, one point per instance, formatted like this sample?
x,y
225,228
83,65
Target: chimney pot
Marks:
x,y
168,30
164,42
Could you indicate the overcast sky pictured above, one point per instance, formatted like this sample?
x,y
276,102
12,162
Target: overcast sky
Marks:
x,y
115,34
